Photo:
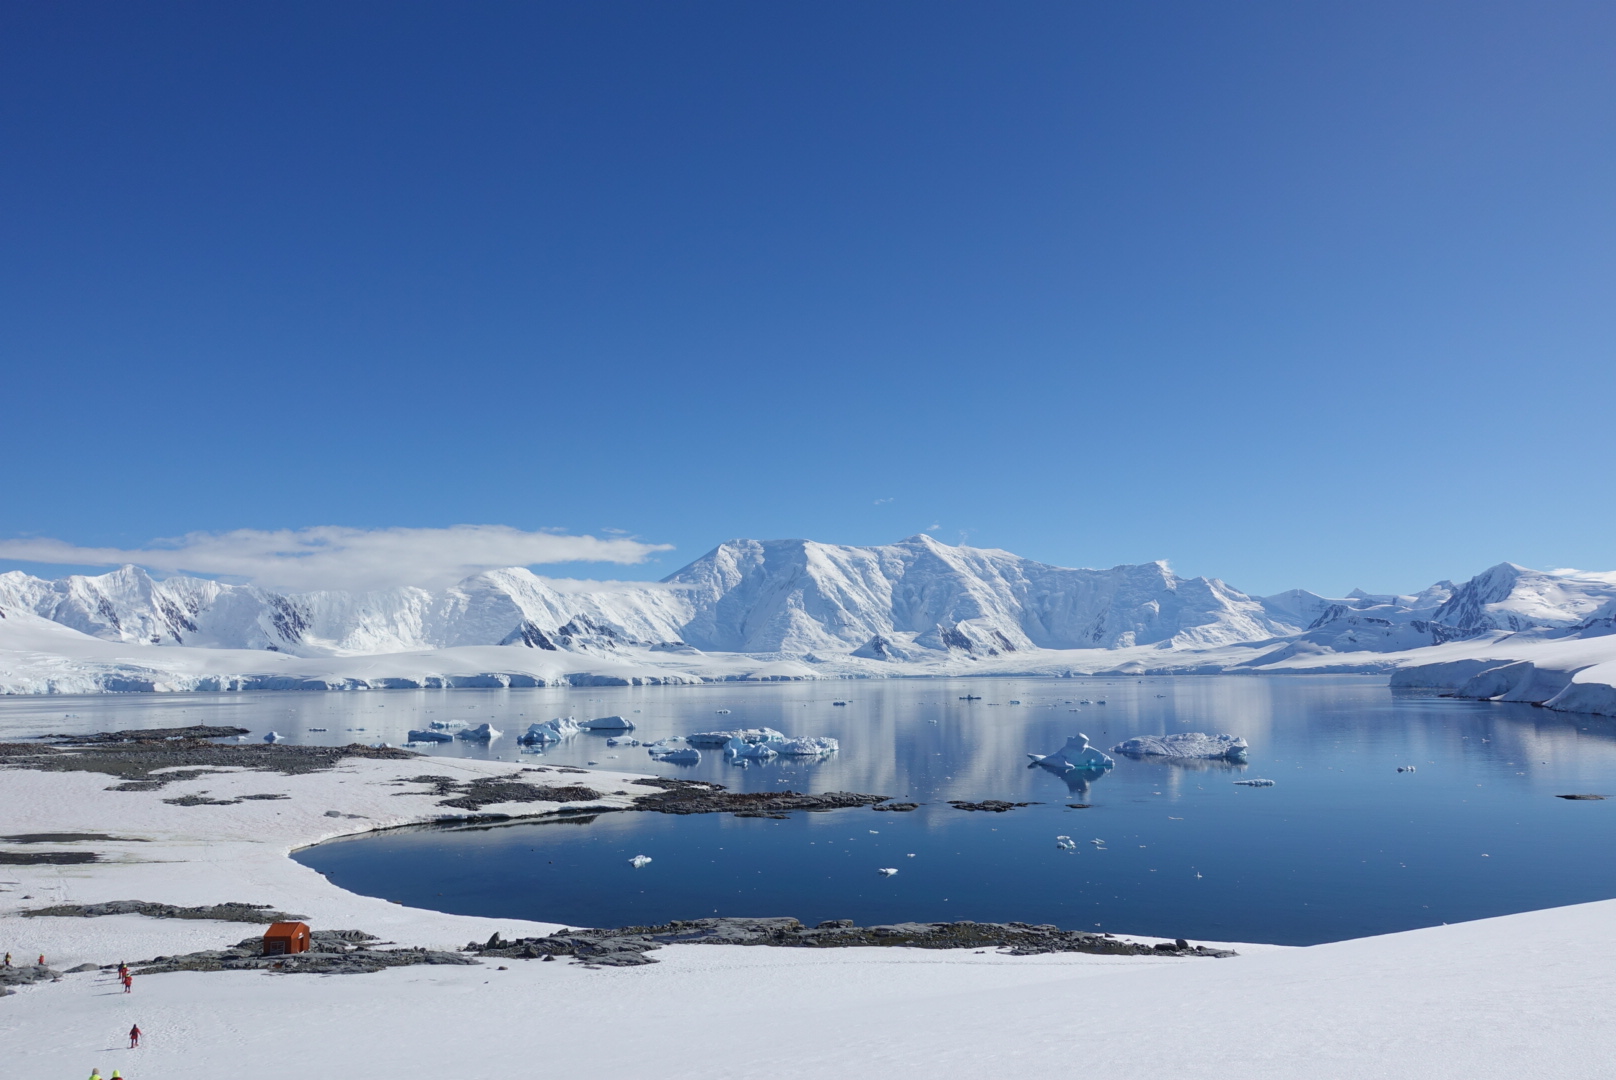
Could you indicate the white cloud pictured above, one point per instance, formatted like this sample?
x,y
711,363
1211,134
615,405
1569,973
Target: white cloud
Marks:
x,y
883,502
336,557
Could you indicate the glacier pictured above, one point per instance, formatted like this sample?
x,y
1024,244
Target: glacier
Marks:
x,y
785,610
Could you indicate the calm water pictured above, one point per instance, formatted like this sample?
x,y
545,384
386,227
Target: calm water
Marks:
x,y
1343,845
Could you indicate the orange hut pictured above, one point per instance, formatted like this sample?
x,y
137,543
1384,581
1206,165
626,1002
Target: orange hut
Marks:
x,y
286,937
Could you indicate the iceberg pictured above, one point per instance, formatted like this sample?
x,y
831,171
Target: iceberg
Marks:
x,y
551,731
1255,783
1065,843
480,733
608,723
887,871
1189,744
1076,754
640,860
677,757
622,742
749,751
716,739
444,725
430,736
804,747
273,737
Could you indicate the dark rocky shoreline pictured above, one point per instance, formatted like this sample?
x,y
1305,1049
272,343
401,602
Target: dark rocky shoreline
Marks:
x,y
627,946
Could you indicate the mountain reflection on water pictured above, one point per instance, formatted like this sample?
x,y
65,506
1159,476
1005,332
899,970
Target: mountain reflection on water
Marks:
x,y
1341,846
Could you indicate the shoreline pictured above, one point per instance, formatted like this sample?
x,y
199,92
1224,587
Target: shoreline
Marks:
x,y
1498,997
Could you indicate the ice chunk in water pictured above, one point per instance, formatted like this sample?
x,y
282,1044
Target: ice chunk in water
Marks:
x,y
640,860
1188,744
1076,754
430,736
608,723
480,733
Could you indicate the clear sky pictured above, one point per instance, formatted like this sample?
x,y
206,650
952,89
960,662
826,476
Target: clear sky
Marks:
x,y
1290,293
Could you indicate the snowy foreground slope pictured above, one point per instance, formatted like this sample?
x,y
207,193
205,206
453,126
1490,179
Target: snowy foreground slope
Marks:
x,y
795,609
1520,996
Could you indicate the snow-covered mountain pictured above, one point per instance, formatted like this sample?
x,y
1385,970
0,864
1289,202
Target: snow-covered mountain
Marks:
x,y
798,597
914,601
498,607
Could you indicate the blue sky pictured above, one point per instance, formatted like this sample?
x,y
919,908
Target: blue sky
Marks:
x,y
1292,294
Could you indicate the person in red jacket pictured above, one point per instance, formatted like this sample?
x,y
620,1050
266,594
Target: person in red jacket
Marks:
x,y
134,1036
128,983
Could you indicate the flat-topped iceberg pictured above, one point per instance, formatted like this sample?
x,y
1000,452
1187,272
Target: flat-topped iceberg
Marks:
x,y
1076,754
480,733
716,739
608,723
1189,744
430,736
804,747
677,757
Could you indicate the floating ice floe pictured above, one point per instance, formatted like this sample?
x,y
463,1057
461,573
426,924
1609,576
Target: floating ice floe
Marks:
x,y
430,736
622,742
608,723
445,725
1066,843
1189,744
1076,754
1255,783
716,739
640,860
480,733
1405,768
721,712
273,737
678,757
887,871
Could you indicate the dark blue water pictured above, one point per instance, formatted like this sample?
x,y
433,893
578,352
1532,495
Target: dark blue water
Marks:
x,y
1343,845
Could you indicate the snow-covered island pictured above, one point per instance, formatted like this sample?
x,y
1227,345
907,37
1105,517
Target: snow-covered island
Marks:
x,y
795,609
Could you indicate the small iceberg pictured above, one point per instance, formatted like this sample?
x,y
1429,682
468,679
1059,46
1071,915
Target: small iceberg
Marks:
x,y
887,871
805,747
742,750
716,739
1189,744
640,860
1076,754
480,733
678,757
608,723
1255,783
622,742
430,736
273,737
551,731
1065,843
444,725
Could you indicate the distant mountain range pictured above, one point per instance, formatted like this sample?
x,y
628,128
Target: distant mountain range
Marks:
x,y
913,601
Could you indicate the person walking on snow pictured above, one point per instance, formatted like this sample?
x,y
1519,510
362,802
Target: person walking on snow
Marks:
x,y
95,1074
134,1036
41,959
128,983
